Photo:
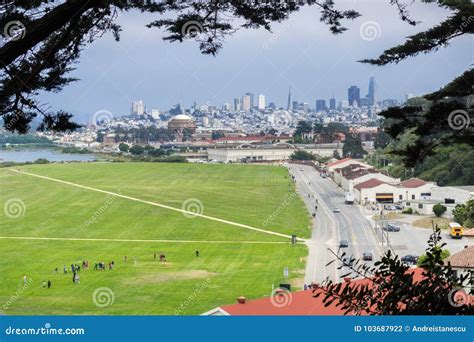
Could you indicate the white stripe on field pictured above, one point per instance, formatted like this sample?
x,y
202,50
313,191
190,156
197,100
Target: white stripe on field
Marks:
x,y
158,205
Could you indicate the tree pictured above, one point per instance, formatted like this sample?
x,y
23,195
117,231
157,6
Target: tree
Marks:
x,y
137,150
439,209
303,127
464,214
335,154
123,147
353,147
424,258
392,289
302,155
382,140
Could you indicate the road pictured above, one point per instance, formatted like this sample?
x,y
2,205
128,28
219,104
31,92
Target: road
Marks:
x,y
329,227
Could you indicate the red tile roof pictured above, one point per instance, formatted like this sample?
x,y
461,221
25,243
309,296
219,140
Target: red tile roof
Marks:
x,y
297,303
371,183
463,259
413,183
338,162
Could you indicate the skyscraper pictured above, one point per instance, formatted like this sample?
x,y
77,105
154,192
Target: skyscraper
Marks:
x,y
320,105
237,104
332,103
288,107
251,99
246,102
371,94
261,102
138,108
353,95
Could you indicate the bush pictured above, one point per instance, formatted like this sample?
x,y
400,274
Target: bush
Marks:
x,y
407,211
439,210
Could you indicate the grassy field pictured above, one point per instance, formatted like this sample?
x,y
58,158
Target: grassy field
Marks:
x,y
240,262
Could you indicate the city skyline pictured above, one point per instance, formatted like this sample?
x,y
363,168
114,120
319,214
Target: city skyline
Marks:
x,y
142,66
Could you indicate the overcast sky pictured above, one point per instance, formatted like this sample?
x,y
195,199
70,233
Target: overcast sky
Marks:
x,y
300,52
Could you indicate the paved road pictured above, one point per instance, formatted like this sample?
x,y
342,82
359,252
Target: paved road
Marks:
x,y
329,227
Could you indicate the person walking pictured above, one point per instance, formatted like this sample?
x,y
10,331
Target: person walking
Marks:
x,y
197,253
49,284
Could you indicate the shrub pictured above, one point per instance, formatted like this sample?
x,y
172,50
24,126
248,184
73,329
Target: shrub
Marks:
x,y
407,211
439,210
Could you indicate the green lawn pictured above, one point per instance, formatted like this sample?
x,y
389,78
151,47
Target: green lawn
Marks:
x,y
246,194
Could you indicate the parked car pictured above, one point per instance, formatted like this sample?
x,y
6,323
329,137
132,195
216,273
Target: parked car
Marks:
x,y
409,259
343,243
301,169
337,210
391,228
367,256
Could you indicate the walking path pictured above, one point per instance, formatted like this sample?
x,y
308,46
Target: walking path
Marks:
x,y
269,232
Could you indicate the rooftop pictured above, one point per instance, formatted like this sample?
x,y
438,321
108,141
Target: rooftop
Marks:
x,y
463,259
371,183
413,183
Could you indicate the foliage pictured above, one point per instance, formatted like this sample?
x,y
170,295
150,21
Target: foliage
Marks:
x,y
424,258
439,209
464,214
335,154
353,147
382,140
123,147
408,211
302,155
392,288
137,150
23,139
75,150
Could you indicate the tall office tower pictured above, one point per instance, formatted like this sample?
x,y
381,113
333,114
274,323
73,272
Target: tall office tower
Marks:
x,y
320,105
371,94
226,107
332,103
246,104
261,102
304,106
155,113
343,104
288,107
251,97
138,108
353,96
237,104
294,105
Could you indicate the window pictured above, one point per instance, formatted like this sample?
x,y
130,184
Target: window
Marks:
x,y
400,197
449,201
426,194
412,197
420,206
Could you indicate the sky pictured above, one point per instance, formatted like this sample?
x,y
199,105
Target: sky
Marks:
x,y
300,52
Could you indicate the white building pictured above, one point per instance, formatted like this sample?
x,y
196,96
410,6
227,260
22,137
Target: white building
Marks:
x,y
138,107
238,155
463,263
261,102
246,102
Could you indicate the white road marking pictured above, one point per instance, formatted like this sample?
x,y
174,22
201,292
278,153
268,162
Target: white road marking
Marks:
x,y
269,232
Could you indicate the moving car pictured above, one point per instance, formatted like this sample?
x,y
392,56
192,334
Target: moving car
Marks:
x,y
409,259
391,228
367,256
343,243
337,210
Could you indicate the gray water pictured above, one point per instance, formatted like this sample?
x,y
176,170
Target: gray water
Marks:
x,y
51,155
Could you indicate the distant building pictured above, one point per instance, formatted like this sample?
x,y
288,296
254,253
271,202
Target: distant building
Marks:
x,y
295,105
304,106
371,96
180,124
138,108
344,104
320,105
289,99
251,99
155,113
261,102
332,103
246,104
272,105
237,104
390,103
353,96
